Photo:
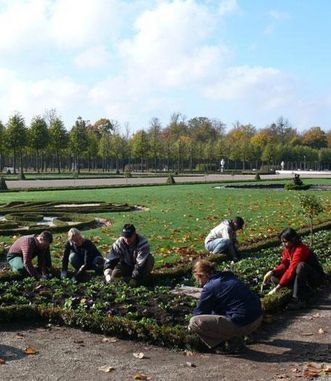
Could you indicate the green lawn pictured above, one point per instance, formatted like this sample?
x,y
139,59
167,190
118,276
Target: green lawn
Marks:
x,y
180,216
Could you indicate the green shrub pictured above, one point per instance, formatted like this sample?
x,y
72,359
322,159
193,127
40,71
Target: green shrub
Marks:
x,y
171,179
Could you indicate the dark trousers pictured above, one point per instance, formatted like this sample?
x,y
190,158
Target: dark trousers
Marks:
x,y
124,271
306,278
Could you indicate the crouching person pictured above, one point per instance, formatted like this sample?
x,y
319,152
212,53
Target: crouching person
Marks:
x,y
226,311
299,269
82,255
27,247
129,258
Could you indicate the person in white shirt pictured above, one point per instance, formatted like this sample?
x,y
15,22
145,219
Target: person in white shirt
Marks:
x,y
222,238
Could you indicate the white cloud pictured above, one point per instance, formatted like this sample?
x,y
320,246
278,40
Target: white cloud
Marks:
x,y
278,15
227,6
266,85
94,57
33,97
22,25
170,48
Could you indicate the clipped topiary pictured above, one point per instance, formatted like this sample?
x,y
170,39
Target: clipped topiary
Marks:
x,y
171,180
3,185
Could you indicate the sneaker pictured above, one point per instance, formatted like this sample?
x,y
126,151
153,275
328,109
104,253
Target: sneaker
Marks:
x,y
235,345
219,349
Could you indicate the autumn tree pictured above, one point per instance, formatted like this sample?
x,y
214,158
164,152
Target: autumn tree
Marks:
x,y
140,147
315,137
2,145
154,136
105,150
38,138
239,138
58,141
78,141
91,147
16,138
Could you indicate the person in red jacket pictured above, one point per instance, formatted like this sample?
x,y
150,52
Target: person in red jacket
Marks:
x,y
299,268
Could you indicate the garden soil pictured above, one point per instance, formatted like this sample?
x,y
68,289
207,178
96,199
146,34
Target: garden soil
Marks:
x,y
284,347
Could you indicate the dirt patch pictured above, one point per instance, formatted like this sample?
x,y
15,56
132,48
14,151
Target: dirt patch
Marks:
x,y
281,352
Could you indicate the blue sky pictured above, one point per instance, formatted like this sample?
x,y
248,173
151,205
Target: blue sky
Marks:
x,y
250,61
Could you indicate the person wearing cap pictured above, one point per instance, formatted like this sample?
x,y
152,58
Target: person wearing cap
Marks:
x,y
222,238
27,247
130,258
82,255
226,311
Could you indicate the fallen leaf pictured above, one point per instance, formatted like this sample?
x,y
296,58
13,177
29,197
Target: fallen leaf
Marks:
x,y
321,331
315,370
30,351
2,361
109,340
106,368
190,364
19,336
139,355
188,353
140,376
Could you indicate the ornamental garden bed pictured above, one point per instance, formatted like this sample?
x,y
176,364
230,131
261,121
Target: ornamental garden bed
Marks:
x,y
149,313
32,217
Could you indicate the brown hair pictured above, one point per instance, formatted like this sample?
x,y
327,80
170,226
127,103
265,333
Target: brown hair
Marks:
x,y
203,266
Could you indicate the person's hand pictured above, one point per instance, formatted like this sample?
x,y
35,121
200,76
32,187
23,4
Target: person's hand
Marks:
x,y
64,274
107,274
267,277
273,291
74,279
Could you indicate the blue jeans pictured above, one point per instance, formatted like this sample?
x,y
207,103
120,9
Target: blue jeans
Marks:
x,y
77,261
222,245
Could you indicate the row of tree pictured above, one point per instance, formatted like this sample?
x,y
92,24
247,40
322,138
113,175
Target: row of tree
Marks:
x,y
196,144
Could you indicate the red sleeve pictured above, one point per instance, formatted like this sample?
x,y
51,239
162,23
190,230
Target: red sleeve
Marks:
x,y
300,254
279,270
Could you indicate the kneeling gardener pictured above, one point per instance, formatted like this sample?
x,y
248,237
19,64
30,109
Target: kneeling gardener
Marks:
x,y
129,258
227,308
27,247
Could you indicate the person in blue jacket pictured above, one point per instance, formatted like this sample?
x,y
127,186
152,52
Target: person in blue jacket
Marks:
x,y
227,308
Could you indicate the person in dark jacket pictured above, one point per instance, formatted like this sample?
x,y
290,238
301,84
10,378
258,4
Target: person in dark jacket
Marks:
x,y
227,308
129,259
27,247
299,268
82,255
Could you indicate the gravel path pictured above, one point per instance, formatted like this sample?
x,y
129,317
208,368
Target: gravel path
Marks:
x,y
30,184
282,350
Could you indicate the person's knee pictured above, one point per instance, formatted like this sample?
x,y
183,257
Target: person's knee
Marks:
x,y
194,324
74,260
300,268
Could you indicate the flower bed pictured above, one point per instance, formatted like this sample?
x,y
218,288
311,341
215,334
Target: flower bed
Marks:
x,y
149,313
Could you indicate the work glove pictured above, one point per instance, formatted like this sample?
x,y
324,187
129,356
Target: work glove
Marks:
x,y
107,274
267,277
64,274
273,291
